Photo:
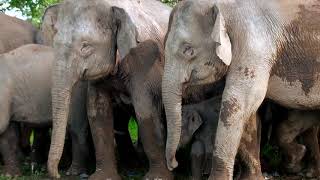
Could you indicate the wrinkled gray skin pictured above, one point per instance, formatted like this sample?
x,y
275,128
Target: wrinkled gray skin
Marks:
x,y
200,121
89,34
266,48
303,123
25,96
137,87
15,32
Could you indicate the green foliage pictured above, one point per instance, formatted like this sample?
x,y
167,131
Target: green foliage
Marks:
x,y
32,9
170,2
133,129
272,155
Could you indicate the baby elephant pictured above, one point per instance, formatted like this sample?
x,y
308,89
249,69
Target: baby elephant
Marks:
x,y
303,123
199,124
25,96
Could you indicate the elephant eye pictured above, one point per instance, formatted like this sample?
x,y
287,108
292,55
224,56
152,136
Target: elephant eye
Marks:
x,y
86,49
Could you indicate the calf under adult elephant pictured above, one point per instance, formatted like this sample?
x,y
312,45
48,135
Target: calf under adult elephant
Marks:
x,y
89,35
265,48
25,96
199,125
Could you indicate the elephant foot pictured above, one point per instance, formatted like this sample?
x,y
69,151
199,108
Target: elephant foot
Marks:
x,y
12,171
158,173
100,174
53,169
251,176
75,170
312,172
293,167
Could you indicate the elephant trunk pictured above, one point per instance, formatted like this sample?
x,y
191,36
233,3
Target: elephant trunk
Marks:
x,y
172,99
61,95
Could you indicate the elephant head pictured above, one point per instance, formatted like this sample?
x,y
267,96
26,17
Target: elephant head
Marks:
x,y
197,51
89,33
47,29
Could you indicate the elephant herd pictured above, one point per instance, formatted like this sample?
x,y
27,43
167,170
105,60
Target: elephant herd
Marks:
x,y
218,76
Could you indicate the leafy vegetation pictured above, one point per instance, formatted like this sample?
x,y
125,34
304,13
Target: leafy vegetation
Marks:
x,y
133,129
33,9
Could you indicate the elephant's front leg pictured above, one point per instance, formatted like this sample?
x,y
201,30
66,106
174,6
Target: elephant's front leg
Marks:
x,y
152,141
249,149
197,160
101,124
244,92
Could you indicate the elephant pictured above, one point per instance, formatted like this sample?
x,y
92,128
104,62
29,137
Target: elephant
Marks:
x,y
15,32
306,124
25,96
265,49
90,36
199,124
137,86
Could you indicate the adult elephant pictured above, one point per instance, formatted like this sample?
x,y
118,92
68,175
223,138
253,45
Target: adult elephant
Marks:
x,y
15,32
266,48
89,33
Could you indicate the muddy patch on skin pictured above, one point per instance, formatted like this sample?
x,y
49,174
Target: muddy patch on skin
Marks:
x,y
229,107
296,58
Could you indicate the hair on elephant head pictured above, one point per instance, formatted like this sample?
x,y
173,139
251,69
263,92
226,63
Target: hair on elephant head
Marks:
x,y
197,51
88,35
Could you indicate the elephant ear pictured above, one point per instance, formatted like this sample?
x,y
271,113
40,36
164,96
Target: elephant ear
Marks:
x,y
195,122
126,31
48,29
220,35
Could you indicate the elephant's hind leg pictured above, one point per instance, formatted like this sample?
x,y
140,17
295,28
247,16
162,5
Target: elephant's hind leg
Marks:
x,y
197,160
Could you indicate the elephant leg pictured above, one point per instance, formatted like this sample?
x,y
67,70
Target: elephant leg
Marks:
x,y
152,138
197,160
249,150
101,125
287,131
310,138
239,102
78,129
80,151
125,148
8,148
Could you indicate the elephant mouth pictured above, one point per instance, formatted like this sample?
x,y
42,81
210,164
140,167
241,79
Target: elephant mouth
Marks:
x,y
86,76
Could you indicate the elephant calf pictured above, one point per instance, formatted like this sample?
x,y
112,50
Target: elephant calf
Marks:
x,y
303,123
200,121
25,96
